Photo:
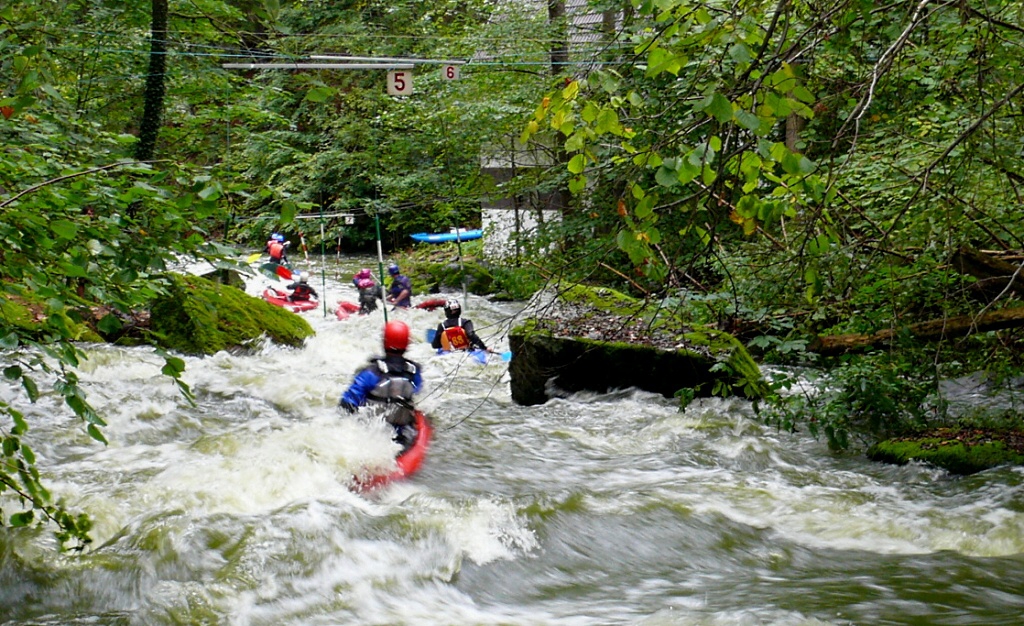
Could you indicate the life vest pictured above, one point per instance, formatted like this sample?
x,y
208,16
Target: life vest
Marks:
x,y
276,250
301,292
454,337
395,387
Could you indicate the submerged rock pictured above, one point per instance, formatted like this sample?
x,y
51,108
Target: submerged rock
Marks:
x,y
956,450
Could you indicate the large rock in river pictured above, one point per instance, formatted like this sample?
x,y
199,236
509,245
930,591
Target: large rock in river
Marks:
x,y
198,316
596,339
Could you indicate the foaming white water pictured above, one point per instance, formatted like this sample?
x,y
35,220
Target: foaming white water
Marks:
x,y
589,509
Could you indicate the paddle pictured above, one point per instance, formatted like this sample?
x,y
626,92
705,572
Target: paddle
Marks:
x,y
253,257
431,333
506,356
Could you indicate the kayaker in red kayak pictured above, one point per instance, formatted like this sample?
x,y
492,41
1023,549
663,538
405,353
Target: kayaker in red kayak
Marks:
x,y
300,289
390,382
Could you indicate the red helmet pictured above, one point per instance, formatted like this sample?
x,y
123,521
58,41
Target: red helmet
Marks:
x,y
396,337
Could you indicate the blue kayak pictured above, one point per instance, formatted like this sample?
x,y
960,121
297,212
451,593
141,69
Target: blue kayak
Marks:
x,y
463,234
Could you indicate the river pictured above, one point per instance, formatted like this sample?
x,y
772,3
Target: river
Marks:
x,y
591,509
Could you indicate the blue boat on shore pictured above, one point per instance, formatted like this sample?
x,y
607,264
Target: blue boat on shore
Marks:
x,y
463,234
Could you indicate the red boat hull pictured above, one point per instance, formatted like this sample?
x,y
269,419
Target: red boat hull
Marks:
x,y
280,298
345,309
408,461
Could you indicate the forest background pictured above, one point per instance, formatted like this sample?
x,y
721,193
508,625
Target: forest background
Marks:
x,y
786,170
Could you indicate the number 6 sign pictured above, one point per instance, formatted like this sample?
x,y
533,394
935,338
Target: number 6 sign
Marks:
x,y
399,83
451,72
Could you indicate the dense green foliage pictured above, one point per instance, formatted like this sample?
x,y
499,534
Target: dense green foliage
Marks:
x,y
778,169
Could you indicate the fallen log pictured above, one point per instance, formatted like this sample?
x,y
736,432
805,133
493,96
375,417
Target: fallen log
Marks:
x,y
996,276
932,330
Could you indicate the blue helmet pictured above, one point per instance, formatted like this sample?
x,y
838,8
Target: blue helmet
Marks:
x,y
277,237
392,269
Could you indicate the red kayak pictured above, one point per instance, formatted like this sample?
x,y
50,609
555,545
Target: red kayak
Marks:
x,y
280,298
431,304
408,460
345,309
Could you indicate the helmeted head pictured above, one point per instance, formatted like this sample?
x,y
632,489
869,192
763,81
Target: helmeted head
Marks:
x,y
363,274
364,283
393,269
396,337
302,278
452,308
278,237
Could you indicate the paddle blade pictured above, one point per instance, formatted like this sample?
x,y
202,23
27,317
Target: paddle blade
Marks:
x,y
431,333
506,356
480,356
283,272
253,257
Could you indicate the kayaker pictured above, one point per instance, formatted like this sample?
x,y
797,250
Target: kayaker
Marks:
x,y
456,332
369,291
277,248
400,293
300,289
390,381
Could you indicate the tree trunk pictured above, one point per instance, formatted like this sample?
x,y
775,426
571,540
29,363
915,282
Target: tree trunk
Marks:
x,y
559,40
557,22
154,95
927,331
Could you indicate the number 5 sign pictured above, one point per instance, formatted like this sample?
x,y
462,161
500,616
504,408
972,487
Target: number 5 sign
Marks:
x,y
399,83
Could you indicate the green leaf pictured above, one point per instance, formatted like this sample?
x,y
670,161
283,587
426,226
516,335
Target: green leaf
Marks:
x,y
688,170
577,163
12,372
319,94
30,388
21,519
577,184
666,176
801,93
64,228
608,122
645,208
173,366
95,433
9,341
748,120
109,324
718,106
576,142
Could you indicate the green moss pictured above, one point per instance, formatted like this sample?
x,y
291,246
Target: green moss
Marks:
x,y
24,313
198,316
952,454
602,298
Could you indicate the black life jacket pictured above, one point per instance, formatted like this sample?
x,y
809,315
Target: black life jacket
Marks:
x,y
395,388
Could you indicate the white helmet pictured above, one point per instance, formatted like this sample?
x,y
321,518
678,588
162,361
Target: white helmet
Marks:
x,y
452,308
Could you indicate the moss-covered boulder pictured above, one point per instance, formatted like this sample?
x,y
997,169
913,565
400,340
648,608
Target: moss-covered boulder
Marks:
x,y
959,451
26,314
198,316
597,339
